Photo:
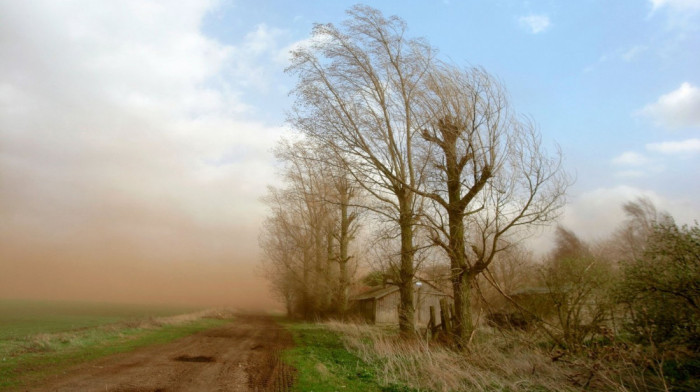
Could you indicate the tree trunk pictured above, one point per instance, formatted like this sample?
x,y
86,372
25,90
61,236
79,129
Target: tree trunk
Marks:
x,y
343,258
461,284
306,305
458,258
464,326
406,311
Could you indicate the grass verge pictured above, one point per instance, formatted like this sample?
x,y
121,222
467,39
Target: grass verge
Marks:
x,y
34,358
324,364
492,364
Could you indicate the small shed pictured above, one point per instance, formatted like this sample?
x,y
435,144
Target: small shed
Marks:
x,y
381,305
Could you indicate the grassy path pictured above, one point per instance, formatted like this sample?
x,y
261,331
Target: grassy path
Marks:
x,y
323,364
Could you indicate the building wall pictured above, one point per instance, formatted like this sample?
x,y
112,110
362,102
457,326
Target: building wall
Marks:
x,y
424,299
365,309
387,311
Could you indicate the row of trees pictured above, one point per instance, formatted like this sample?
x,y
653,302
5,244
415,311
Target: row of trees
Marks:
x,y
431,151
307,236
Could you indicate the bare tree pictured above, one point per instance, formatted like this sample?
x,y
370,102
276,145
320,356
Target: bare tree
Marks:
x,y
630,240
340,198
356,94
288,263
489,176
307,236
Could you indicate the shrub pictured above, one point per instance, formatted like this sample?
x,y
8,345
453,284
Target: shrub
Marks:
x,y
661,289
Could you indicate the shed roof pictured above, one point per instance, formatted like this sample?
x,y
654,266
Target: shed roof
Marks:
x,y
383,291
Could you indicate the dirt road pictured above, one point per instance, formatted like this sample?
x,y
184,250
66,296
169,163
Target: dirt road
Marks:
x,y
241,356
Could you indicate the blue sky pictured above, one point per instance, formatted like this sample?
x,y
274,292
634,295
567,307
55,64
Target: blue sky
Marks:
x,y
134,124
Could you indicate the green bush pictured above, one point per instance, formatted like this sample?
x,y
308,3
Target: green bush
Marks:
x,y
661,289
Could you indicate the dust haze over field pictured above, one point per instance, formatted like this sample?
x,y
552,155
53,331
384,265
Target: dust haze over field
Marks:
x,y
106,258
126,175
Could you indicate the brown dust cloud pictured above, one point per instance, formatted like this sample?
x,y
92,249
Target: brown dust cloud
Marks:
x,y
129,256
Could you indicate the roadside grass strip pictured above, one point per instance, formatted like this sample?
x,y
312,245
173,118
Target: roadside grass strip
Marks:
x,y
323,363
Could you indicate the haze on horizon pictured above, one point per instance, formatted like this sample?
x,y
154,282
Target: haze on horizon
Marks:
x,y
135,136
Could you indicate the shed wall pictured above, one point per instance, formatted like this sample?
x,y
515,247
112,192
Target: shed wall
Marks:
x,y
424,299
387,311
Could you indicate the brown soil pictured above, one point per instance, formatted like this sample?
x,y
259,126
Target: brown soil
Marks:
x,y
242,356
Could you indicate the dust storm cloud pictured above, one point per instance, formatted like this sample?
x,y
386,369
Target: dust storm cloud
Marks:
x,y
127,169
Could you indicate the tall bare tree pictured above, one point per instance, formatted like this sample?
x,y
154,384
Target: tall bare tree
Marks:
x,y
286,240
337,192
490,176
307,236
346,193
356,94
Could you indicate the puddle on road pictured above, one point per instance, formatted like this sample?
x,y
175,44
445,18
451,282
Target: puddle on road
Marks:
x,y
198,358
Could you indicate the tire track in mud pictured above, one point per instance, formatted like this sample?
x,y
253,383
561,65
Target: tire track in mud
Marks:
x,y
242,356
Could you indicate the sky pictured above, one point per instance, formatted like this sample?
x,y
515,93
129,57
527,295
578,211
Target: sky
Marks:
x,y
136,135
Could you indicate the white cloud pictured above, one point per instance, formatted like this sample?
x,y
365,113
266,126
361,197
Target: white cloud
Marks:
x,y
601,60
630,174
678,109
630,158
596,213
535,23
680,15
633,52
257,58
681,5
689,146
624,55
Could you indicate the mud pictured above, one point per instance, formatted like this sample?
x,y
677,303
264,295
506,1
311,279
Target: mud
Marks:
x,y
241,356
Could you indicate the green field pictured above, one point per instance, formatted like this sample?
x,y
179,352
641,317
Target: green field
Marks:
x,y
22,318
38,339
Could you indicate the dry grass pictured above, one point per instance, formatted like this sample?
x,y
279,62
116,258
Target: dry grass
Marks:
x,y
494,363
501,360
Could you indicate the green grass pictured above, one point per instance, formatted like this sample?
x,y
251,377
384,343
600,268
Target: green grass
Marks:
x,y
323,364
22,318
42,344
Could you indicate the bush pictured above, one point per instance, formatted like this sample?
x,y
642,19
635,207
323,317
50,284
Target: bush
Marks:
x,y
514,320
661,289
577,291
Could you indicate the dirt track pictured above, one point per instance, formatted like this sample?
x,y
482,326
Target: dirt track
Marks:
x,y
241,356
